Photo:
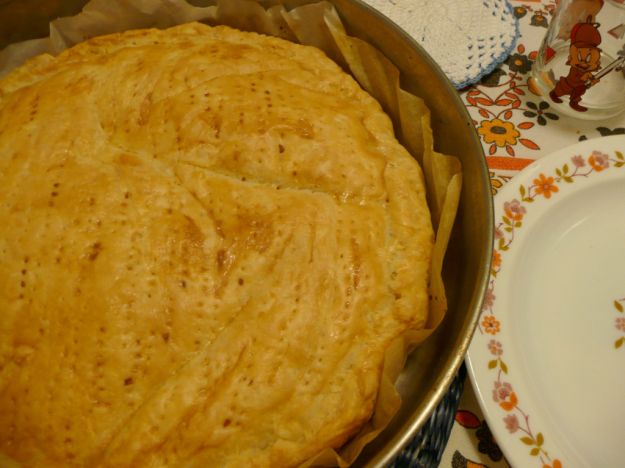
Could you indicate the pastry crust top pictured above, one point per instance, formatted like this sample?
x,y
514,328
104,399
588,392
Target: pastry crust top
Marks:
x,y
208,239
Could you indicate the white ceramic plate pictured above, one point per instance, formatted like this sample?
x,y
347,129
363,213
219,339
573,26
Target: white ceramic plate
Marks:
x,y
547,360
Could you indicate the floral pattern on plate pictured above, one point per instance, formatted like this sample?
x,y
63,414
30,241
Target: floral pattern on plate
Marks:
x,y
544,187
511,77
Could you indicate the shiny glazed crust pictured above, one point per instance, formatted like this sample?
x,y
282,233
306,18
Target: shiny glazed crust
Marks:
x,y
208,238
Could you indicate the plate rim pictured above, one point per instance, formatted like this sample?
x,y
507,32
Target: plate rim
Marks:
x,y
552,167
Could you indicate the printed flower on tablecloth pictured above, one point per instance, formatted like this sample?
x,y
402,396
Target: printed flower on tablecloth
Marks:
x,y
493,78
499,132
599,161
497,181
495,184
503,394
538,19
519,63
545,186
486,443
619,323
512,423
605,131
519,12
491,324
467,419
460,461
540,112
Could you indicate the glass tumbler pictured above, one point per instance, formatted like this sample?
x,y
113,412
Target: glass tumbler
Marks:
x,y
580,66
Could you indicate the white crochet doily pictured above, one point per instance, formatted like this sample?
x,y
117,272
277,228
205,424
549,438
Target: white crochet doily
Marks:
x,y
467,38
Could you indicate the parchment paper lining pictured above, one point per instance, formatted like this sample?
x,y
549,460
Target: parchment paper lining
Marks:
x,y
319,25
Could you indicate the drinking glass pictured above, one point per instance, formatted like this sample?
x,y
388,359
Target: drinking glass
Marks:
x,y
580,66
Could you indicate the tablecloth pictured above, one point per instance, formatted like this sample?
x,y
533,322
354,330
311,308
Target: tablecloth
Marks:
x,y
516,127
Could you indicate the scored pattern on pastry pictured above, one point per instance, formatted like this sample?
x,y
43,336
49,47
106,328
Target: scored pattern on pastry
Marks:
x,y
208,239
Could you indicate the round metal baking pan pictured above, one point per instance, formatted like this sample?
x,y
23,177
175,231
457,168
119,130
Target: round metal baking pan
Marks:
x,y
431,368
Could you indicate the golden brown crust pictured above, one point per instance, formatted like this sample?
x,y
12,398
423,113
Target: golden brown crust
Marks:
x,y
208,238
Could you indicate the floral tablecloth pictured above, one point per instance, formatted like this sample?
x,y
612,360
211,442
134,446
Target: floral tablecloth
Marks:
x,y
516,127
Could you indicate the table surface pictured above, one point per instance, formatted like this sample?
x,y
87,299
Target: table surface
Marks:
x,y
516,127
